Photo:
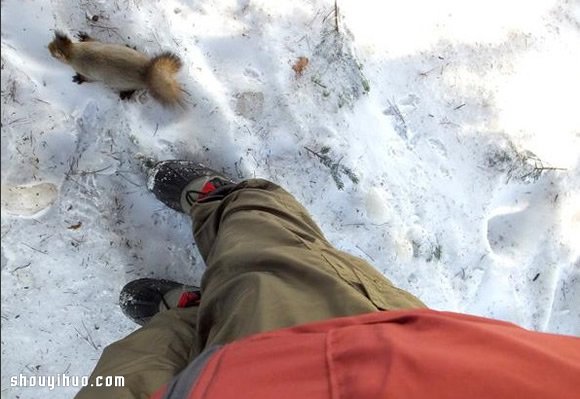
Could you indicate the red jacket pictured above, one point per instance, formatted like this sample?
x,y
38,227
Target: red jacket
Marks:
x,y
396,354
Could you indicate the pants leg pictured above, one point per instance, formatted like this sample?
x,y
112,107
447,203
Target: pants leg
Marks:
x,y
148,358
269,266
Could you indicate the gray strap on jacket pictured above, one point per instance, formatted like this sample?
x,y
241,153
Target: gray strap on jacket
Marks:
x,y
183,383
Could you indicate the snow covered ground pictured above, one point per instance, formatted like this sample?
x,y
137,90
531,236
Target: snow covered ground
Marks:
x,y
450,114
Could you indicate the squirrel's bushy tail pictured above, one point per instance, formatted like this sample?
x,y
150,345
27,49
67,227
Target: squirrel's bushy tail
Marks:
x,y
161,82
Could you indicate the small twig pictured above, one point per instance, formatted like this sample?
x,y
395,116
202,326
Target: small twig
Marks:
x,y
335,167
22,267
459,107
564,290
72,167
461,274
370,257
314,153
126,179
537,171
17,120
336,15
34,249
328,14
237,168
109,29
401,126
424,74
317,82
87,338
447,122
6,232
91,172
551,168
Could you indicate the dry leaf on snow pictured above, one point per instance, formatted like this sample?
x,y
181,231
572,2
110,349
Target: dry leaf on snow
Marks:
x,y
300,65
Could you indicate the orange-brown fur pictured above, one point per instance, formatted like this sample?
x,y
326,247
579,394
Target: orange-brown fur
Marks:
x,y
159,78
121,67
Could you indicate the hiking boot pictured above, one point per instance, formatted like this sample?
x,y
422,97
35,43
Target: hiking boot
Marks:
x,y
142,299
180,184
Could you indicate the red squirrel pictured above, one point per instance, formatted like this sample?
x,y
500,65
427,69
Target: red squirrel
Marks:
x,y
120,67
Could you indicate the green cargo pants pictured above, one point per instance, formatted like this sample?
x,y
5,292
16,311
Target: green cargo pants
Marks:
x,y
268,267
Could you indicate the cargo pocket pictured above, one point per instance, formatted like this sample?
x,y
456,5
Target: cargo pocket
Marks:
x,y
383,293
347,273
370,282
344,272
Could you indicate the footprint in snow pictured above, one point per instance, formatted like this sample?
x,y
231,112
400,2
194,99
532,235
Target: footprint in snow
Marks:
x,y
28,200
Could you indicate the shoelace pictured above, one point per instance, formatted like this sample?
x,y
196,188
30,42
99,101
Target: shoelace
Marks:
x,y
208,188
186,299
162,299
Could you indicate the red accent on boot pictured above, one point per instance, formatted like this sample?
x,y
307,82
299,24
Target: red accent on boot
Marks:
x,y
206,190
188,298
